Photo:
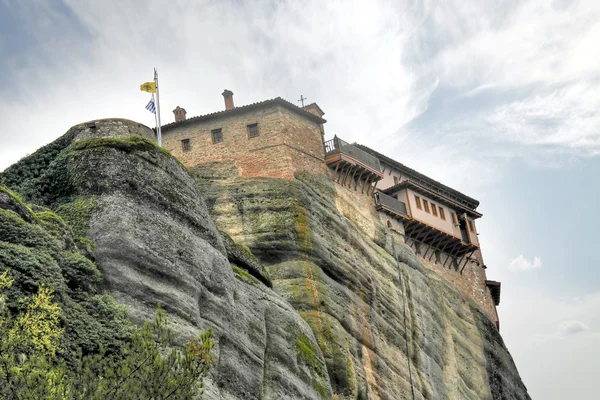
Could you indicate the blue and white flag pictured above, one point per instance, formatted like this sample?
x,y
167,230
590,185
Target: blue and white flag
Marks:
x,y
151,106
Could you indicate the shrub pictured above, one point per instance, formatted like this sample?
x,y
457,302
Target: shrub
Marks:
x,y
148,367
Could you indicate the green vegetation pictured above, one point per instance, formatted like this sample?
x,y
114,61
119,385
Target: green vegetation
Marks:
x,y
244,260
77,214
320,388
148,366
64,339
127,144
241,274
307,352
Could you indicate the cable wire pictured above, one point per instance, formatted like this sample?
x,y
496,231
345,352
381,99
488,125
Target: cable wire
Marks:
x,y
402,291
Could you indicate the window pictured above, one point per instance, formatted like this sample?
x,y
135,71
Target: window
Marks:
x,y
434,209
186,145
217,135
442,213
395,180
389,224
471,226
418,201
426,205
454,218
252,131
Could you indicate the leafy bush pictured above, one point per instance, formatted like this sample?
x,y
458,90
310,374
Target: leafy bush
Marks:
x,y
148,367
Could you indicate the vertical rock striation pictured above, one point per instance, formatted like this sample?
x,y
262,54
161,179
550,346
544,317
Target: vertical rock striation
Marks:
x,y
156,244
332,306
353,281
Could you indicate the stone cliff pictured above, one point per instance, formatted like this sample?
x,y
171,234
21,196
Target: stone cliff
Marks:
x,y
309,294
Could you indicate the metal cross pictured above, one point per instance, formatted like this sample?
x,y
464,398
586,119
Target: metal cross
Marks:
x,y
302,98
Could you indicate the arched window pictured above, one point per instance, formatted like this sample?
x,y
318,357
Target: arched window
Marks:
x,y
389,224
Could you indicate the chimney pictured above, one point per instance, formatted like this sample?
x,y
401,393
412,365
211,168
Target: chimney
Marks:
x,y
179,114
228,95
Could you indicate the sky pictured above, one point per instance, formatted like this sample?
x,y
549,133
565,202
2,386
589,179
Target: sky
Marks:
x,y
498,99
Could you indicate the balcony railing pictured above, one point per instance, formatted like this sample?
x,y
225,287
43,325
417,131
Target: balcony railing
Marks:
x,y
337,145
391,203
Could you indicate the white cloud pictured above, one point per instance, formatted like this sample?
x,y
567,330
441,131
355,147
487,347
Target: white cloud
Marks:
x,y
541,72
352,57
521,263
567,328
531,322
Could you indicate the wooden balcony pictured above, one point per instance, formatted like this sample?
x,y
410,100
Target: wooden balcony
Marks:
x,y
352,164
391,206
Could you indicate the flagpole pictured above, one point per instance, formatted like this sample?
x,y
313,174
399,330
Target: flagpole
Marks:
x,y
158,130
155,116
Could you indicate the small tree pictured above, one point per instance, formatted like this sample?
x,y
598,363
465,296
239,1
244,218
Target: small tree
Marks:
x,y
149,367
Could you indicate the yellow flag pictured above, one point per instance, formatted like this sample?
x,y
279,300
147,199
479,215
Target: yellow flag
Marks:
x,y
149,87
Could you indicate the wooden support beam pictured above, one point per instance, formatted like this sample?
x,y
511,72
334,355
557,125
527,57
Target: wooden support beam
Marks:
x,y
417,231
460,261
450,253
359,179
424,239
337,165
466,261
366,184
347,174
451,241
342,172
352,178
374,187
428,234
436,246
455,255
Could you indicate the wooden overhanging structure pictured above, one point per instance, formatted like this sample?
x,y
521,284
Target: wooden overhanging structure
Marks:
x,y
494,287
423,180
418,232
408,184
352,166
458,251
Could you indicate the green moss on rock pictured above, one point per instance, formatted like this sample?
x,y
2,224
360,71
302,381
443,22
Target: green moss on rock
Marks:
x,y
242,274
77,214
320,388
242,257
128,144
307,353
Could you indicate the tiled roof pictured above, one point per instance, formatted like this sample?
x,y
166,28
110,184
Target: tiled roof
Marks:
x,y
435,185
246,108
316,105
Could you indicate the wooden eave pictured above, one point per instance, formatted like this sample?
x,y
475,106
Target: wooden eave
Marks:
x,y
426,181
433,195
494,287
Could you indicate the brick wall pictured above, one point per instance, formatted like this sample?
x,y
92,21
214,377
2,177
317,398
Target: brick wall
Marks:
x,y
287,142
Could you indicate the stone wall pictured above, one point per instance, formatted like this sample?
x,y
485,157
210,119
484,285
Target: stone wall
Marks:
x,y
471,281
286,143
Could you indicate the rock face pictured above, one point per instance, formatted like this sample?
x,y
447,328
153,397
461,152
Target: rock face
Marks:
x,y
332,306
